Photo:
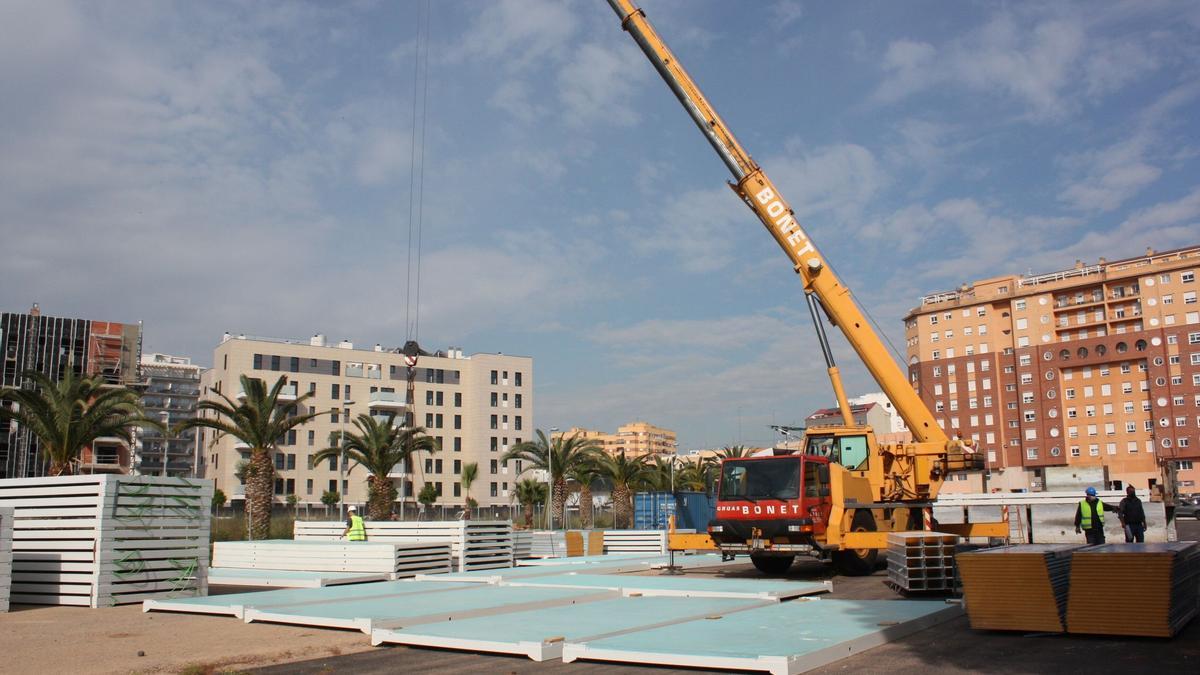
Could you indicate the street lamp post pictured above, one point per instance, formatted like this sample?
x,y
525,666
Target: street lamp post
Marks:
x,y
550,478
342,414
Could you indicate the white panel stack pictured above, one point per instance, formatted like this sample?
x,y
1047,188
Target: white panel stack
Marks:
x,y
6,520
547,544
475,544
100,541
635,541
522,545
396,560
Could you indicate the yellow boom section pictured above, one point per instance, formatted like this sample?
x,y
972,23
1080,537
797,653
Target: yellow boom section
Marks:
x,y
757,191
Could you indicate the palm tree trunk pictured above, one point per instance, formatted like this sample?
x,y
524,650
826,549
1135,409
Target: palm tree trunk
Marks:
x,y
380,495
58,468
585,506
260,484
622,508
560,500
529,516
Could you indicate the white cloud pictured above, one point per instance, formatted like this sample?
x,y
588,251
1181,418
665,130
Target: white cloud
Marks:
x,y
517,34
596,84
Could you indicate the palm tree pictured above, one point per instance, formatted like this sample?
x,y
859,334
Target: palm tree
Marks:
x,y
469,473
693,476
559,457
69,415
584,474
658,473
259,421
378,446
625,475
733,452
529,493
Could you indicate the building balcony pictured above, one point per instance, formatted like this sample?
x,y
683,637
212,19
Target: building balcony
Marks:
x,y
354,371
387,401
109,454
397,420
288,394
398,471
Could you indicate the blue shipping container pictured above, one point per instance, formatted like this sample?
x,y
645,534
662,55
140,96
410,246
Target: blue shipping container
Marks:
x,y
692,510
651,510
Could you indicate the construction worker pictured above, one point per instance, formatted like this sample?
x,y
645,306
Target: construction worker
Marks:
x,y
356,530
1133,516
1089,517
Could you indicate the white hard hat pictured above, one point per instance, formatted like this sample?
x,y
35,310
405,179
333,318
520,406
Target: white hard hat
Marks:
x,y
353,508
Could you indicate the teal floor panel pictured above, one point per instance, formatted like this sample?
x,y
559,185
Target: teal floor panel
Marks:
x,y
389,612
783,638
234,604
539,634
218,576
702,586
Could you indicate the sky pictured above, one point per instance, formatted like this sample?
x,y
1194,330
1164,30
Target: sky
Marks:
x,y
248,167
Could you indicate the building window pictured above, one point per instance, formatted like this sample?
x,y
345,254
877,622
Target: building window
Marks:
x,y
1187,277
458,399
258,361
494,423
494,491
457,444
493,466
495,377
517,378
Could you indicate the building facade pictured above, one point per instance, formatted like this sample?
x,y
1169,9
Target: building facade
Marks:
x,y
54,346
172,388
476,406
1098,365
636,439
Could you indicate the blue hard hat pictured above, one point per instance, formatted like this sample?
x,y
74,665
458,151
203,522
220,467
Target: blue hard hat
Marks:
x,y
1091,492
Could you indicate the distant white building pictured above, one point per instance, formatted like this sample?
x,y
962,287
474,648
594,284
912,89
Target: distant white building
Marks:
x,y
172,388
879,398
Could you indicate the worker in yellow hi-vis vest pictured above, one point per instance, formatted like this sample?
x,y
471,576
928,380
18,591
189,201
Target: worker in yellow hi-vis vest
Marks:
x,y
356,530
1089,517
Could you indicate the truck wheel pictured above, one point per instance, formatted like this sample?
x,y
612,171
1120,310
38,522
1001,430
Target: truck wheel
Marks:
x,y
772,564
858,562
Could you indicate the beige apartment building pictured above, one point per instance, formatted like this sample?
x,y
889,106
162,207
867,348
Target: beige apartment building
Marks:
x,y
635,439
1092,366
477,406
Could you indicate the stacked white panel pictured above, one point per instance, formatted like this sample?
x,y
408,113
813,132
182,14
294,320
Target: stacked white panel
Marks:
x,y
547,544
100,541
391,558
475,544
522,545
635,541
6,521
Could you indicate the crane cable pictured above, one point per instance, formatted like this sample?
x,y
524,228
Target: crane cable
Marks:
x,y
416,175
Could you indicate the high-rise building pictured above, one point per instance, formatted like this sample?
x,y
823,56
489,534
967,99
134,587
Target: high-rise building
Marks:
x,y
172,388
635,439
1093,366
53,346
476,406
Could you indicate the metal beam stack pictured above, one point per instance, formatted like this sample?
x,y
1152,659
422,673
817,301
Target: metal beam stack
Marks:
x,y
1147,589
921,561
1017,587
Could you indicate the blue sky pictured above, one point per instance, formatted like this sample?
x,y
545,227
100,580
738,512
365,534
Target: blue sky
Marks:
x,y
217,166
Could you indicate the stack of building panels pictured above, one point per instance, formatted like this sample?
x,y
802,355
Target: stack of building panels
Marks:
x,y
105,540
1134,589
6,519
635,541
394,560
475,544
522,545
548,544
1017,587
921,561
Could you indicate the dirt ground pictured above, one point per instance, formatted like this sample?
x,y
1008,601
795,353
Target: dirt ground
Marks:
x,y
80,640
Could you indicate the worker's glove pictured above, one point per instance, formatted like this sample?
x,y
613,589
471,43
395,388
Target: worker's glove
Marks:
x,y
1077,530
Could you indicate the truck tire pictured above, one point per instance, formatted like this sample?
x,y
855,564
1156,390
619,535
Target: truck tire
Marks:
x,y
858,562
772,564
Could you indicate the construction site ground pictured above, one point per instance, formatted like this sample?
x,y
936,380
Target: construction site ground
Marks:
x,y
80,640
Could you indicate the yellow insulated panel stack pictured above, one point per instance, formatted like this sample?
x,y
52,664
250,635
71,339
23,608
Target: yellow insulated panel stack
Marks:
x,y
1017,587
1147,590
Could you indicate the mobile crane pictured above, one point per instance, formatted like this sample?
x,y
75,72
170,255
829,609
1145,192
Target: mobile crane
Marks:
x,y
841,495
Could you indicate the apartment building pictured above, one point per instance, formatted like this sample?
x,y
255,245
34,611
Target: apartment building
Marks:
x,y
477,406
171,390
635,439
54,346
1096,365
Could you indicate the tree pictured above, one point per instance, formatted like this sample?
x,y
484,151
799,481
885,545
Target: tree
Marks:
x,y
378,446
218,499
259,421
583,474
529,493
694,476
625,475
658,473
559,457
428,495
69,415
292,500
733,452
469,473
330,498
